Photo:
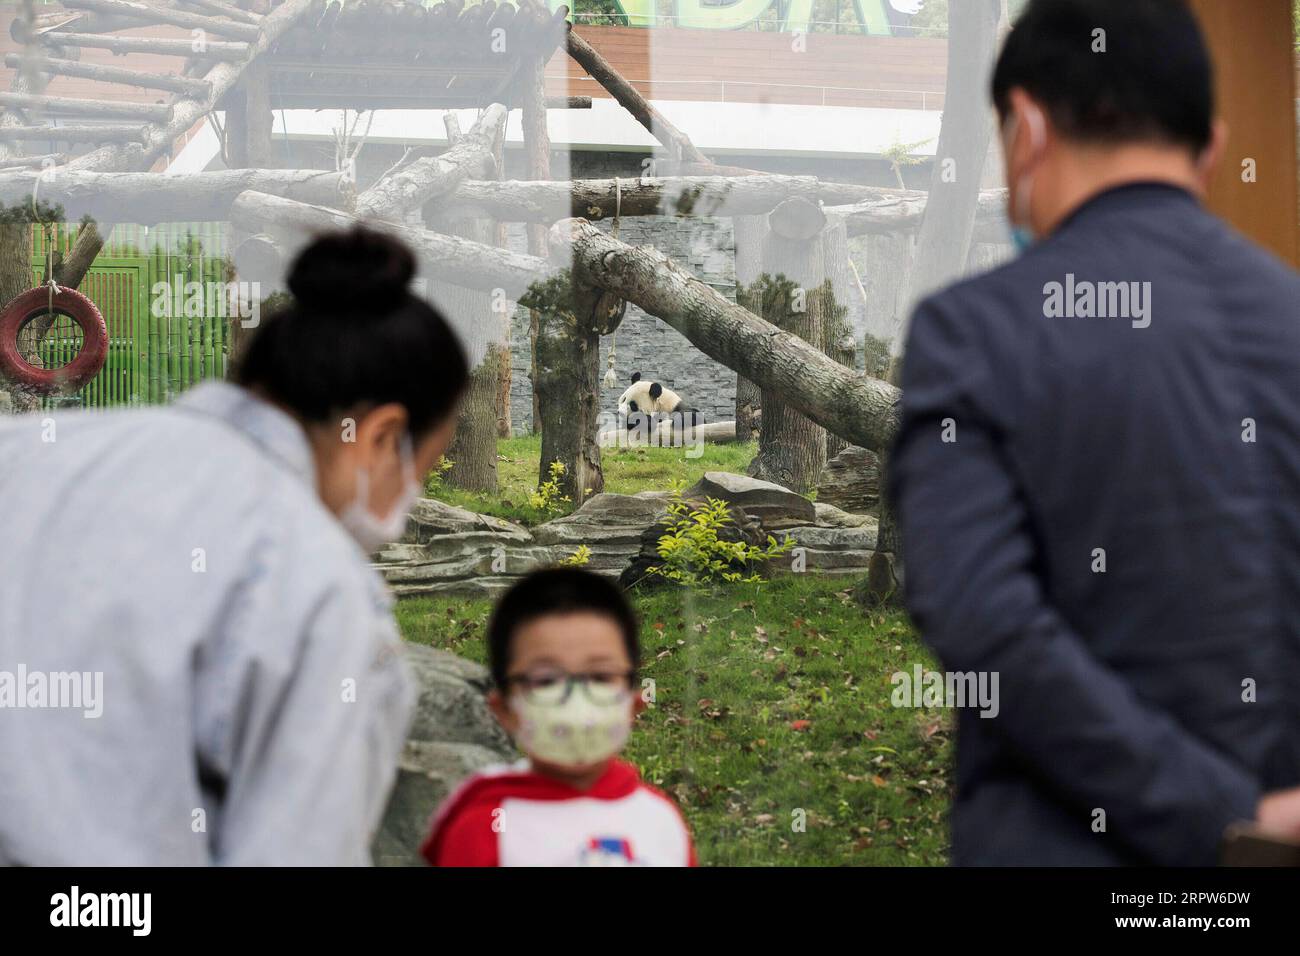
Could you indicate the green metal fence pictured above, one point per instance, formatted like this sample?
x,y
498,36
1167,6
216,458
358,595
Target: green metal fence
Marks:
x,y
162,293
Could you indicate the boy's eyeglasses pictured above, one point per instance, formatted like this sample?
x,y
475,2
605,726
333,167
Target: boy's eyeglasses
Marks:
x,y
601,687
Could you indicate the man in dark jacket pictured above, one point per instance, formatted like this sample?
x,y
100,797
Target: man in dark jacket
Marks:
x,y
1098,472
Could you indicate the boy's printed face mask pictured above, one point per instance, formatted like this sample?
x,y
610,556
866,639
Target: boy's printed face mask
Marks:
x,y
576,732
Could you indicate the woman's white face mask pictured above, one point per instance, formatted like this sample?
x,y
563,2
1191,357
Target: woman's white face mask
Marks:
x,y
370,531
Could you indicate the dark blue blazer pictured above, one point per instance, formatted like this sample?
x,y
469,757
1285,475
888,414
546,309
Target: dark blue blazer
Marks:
x,y
1145,706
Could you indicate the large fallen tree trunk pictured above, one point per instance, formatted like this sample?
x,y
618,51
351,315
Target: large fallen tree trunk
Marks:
x,y
896,213
860,409
148,198
411,187
462,261
595,199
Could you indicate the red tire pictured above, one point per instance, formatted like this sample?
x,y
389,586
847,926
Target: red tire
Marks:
x,y
15,369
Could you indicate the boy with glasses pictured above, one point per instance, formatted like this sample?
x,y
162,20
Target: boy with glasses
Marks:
x,y
563,651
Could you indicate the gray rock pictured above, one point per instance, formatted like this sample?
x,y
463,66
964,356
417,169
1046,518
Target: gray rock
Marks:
x,y
774,506
426,773
452,705
431,517
829,516
452,735
851,481
610,525
448,550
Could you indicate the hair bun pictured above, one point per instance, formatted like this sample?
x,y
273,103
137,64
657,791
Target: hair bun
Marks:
x,y
359,270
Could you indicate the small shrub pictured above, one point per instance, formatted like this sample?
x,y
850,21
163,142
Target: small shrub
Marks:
x,y
578,558
694,555
433,482
548,499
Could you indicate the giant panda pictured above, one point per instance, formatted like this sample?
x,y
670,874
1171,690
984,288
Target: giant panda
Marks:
x,y
645,404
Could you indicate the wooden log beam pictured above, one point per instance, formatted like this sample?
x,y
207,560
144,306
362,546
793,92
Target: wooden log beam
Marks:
x,y
568,102
146,13
547,201
860,409
225,10
74,21
91,109
43,159
678,144
111,74
148,198
895,214
75,134
460,261
414,185
213,49
222,76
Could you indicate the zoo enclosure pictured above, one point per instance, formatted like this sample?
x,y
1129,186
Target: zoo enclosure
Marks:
x,y
159,289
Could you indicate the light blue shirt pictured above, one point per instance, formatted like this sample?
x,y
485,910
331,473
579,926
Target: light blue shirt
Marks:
x,y
252,695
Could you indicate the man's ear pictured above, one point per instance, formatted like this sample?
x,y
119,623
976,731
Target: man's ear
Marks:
x,y
1208,162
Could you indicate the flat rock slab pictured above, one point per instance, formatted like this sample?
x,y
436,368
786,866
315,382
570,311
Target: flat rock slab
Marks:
x,y
452,735
775,506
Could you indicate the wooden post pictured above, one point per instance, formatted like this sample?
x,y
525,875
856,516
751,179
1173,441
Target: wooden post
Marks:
x,y
537,150
838,340
749,233
473,450
504,354
248,128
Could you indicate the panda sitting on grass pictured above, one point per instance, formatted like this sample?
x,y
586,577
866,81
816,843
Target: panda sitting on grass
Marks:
x,y
645,405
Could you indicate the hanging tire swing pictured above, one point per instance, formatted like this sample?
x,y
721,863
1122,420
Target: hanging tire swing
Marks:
x,y
30,306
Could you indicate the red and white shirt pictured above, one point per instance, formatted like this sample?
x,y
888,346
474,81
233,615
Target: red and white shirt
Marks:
x,y
511,816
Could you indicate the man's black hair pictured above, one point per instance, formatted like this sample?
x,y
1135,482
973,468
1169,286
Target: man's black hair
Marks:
x,y
1153,83
561,590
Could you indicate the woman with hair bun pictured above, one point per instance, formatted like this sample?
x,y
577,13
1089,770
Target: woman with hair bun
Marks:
x,y
202,571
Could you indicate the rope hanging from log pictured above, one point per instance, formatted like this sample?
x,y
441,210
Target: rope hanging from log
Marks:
x,y
611,376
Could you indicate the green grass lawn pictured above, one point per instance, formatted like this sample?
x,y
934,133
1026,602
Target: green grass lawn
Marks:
x,y
771,705
627,471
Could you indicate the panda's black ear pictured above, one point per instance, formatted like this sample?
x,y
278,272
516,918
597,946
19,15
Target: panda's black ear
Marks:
x,y
636,377
656,390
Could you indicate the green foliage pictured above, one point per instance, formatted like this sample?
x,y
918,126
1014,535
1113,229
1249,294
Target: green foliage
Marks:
x,y
548,499
598,12
22,212
693,554
578,558
876,351
900,155
433,481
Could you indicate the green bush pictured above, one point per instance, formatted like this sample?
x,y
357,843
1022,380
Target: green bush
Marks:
x,y
694,555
